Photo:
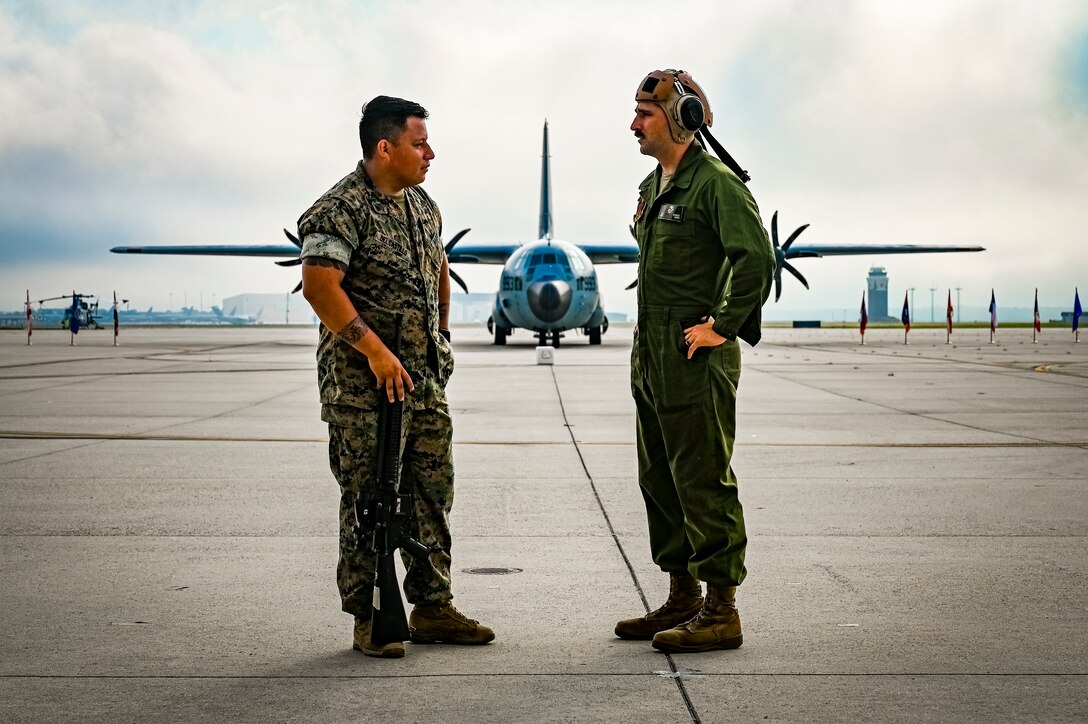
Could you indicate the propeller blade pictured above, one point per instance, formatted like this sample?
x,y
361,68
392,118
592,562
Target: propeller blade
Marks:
x,y
457,278
777,284
293,238
632,285
793,236
297,289
289,262
789,267
456,238
774,229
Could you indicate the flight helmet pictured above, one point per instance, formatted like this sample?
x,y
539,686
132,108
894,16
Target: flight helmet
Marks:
x,y
683,100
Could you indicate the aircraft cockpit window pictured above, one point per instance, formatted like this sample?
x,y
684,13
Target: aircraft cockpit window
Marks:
x,y
519,259
549,257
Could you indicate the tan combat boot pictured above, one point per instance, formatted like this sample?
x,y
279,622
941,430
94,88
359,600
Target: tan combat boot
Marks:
x,y
716,627
445,624
362,642
685,600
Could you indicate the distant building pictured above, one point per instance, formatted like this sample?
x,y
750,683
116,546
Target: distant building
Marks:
x,y
270,308
472,308
878,294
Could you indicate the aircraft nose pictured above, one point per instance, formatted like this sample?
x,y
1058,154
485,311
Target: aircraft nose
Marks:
x,y
549,300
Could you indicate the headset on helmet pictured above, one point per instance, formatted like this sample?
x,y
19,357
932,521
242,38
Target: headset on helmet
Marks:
x,y
686,108
682,99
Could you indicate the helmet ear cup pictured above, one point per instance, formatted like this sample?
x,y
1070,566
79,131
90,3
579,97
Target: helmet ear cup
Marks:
x,y
690,112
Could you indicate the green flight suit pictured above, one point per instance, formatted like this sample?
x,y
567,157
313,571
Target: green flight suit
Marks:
x,y
703,250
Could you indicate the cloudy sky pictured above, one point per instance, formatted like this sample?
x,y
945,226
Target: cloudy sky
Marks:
x,y
127,122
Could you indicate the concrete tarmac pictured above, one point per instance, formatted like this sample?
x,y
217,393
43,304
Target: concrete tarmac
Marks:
x,y
918,522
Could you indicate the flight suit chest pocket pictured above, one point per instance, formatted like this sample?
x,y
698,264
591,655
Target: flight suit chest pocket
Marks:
x,y
673,245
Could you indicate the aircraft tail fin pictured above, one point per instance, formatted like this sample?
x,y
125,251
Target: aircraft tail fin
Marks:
x,y
545,190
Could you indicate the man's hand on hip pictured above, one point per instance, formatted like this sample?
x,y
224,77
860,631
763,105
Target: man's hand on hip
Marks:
x,y
702,335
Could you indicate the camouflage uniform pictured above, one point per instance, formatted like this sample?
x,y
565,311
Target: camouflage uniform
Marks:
x,y
393,265
703,250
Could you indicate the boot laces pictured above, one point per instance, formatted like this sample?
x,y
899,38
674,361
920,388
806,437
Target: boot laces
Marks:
x,y
456,615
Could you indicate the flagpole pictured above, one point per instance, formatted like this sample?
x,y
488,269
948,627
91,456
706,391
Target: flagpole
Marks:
x,y
71,319
115,324
29,318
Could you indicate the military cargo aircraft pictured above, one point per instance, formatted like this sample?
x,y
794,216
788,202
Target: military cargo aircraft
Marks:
x,y
549,286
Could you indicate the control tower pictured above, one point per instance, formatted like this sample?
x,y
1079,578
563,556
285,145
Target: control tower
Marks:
x,y
878,294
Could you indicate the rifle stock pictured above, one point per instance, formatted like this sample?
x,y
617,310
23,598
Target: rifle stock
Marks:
x,y
387,512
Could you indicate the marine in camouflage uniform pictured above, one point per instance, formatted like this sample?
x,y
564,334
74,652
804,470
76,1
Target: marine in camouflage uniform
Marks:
x,y
379,236
393,261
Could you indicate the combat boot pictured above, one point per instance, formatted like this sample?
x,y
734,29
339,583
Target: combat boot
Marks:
x,y
685,600
362,642
717,626
445,624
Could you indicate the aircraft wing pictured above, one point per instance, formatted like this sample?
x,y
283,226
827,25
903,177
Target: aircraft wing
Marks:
x,y
611,253
481,253
802,251
265,250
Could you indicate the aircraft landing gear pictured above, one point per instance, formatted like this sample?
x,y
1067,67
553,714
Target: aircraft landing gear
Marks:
x,y
500,335
594,335
555,339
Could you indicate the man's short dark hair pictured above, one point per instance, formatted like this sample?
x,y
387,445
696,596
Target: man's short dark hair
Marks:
x,y
385,117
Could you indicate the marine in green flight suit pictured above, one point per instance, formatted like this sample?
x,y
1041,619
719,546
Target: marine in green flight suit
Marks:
x,y
705,269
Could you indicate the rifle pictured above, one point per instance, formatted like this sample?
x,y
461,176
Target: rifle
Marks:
x,y
387,513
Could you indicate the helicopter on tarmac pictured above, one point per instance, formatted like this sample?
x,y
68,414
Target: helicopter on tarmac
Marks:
x,y
83,307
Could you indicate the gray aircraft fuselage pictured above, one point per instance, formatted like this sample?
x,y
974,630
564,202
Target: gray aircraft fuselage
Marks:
x,y
548,285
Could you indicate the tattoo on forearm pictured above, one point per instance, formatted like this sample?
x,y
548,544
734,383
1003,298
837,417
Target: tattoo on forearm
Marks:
x,y
353,331
322,261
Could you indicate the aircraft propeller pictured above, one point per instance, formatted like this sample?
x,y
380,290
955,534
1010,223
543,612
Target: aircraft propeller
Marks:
x,y
780,256
293,262
454,275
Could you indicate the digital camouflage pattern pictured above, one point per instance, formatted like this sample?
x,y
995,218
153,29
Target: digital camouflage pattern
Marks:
x,y
393,268
394,261
427,474
703,250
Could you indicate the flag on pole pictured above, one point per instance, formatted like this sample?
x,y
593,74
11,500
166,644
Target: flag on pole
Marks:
x,y
1038,319
864,315
906,312
993,311
29,318
1076,310
949,313
116,321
